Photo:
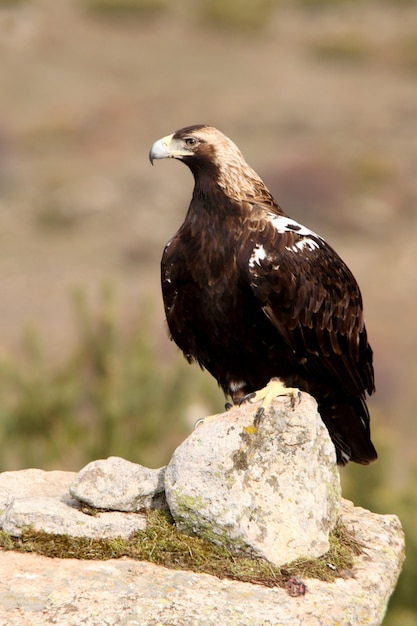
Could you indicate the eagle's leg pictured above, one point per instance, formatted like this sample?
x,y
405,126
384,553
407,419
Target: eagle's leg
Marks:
x,y
267,395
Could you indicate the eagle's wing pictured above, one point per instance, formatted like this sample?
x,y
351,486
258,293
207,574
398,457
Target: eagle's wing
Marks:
x,y
311,298
171,271
180,295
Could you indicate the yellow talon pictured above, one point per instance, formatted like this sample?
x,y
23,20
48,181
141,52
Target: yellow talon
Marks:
x,y
267,395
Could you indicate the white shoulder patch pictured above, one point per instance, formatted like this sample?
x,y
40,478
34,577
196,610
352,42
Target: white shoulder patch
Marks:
x,y
307,242
308,238
287,225
258,254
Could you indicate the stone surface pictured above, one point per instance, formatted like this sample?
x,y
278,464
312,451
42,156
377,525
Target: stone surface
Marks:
x,y
52,516
38,591
34,482
259,484
42,500
273,490
119,485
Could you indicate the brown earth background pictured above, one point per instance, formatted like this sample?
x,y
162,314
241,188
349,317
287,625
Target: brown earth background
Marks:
x,y
321,97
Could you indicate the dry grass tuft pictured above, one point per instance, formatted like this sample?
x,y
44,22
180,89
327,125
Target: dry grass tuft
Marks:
x,y
162,544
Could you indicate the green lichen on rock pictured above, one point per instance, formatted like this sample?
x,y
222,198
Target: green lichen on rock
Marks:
x,y
334,494
188,520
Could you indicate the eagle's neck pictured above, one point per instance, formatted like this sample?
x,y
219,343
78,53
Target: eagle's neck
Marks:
x,y
241,183
233,187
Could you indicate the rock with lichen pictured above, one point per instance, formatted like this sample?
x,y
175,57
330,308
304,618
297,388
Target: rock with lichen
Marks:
x,y
36,590
272,490
41,501
264,490
119,485
47,515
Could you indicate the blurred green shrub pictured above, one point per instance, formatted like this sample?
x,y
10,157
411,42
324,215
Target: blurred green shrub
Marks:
x,y
324,4
10,3
407,53
125,7
371,171
111,395
57,214
398,4
346,48
238,14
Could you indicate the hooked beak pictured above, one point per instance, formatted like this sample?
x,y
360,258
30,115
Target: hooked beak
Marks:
x,y
169,147
161,149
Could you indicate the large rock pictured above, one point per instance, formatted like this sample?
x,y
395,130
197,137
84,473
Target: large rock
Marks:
x,y
255,488
36,590
273,490
119,485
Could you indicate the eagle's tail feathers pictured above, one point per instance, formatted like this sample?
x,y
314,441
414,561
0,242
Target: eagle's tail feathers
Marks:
x,y
347,420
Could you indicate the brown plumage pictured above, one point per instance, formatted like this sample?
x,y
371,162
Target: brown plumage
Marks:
x,y
251,295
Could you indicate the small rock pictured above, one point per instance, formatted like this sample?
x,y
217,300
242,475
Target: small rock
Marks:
x,y
273,490
52,516
35,482
119,485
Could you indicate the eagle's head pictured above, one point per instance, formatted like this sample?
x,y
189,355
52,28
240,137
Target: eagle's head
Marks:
x,y
197,146
211,155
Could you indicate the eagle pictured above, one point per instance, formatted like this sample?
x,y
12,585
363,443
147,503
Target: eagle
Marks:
x,y
260,301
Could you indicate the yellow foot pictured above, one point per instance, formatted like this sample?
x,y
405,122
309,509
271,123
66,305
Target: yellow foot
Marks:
x,y
272,390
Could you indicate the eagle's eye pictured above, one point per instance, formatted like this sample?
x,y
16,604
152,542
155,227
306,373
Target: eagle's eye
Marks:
x,y
190,141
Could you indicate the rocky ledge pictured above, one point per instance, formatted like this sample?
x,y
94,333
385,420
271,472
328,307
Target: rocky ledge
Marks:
x,y
271,491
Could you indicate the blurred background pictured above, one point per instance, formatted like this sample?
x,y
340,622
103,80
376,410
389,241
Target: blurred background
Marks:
x,y
321,97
